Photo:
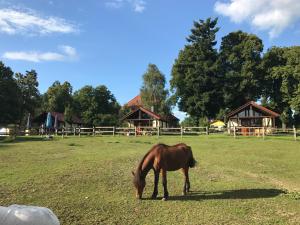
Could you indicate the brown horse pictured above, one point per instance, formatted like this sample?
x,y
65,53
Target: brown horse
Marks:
x,y
163,158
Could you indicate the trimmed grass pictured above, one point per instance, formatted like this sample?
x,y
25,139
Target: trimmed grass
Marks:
x,y
88,180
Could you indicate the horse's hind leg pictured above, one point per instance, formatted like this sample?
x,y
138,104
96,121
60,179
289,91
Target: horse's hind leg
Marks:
x,y
156,178
186,187
164,181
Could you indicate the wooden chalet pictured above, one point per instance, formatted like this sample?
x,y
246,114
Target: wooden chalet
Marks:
x,y
142,117
252,115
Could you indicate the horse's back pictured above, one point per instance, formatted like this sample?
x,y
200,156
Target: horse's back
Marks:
x,y
173,157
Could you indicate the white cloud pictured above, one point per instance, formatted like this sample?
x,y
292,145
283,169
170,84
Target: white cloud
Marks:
x,y
137,5
67,53
273,16
14,21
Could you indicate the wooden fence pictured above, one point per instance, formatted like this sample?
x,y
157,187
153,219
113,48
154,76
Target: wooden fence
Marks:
x,y
262,132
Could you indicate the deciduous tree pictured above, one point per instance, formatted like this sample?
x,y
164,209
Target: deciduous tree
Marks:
x,y
239,65
96,106
10,97
153,92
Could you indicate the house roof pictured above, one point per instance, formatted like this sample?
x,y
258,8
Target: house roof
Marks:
x,y
252,103
152,114
136,101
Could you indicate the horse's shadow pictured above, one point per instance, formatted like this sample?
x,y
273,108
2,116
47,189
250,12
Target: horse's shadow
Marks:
x,y
228,194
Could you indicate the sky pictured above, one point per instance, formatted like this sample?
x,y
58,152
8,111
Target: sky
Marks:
x,y
111,42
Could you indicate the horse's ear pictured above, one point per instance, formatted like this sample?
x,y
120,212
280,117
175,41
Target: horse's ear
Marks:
x,y
132,173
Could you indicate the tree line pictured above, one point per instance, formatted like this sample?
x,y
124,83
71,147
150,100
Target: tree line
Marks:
x,y
19,97
206,82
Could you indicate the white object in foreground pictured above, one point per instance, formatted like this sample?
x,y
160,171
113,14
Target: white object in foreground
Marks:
x,y
27,215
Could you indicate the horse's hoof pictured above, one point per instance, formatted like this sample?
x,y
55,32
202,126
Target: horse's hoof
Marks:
x,y
164,199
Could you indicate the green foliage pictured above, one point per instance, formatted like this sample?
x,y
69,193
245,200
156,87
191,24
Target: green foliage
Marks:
x,y
153,92
30,95
69,114
282,81
57,97
10,97
96,106
203,122
239,64
189,122
194,75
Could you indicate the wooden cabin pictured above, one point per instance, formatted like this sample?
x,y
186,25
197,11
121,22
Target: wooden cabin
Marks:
x,y
142,117
252,115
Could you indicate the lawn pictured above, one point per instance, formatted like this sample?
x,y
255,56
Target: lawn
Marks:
x,y
88,180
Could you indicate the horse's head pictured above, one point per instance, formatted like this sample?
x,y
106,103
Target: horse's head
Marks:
x,y
139,184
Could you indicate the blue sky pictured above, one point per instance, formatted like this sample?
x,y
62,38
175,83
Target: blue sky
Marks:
x,y
111,42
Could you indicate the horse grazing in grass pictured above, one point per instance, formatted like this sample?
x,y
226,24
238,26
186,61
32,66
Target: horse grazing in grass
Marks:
x,y
163,158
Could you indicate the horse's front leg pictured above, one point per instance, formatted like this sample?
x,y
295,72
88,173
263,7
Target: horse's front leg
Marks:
x,y
164,181
156,178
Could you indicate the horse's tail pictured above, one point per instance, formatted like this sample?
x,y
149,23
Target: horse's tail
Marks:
x,y
192,162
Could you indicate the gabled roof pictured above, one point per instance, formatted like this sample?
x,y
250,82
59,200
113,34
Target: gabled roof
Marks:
x,y
255,105
170,117
136,101
147,111
152,114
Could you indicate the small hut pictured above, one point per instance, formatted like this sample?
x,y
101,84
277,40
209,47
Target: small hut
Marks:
x,y
252,115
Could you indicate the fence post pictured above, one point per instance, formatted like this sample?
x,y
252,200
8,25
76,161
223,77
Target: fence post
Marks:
x,y
135,131
63,131
234,132
207,131
74,130
263,133
295,133
181,132
157,131
113,131
80,131
94,131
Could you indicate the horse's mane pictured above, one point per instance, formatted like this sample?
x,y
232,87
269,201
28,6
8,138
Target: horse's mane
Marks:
x,y
137,175
139,168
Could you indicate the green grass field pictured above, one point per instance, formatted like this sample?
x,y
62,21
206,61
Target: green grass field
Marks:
x,y
88,180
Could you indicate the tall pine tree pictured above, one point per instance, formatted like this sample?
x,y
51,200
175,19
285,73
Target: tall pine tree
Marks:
x,y
194,74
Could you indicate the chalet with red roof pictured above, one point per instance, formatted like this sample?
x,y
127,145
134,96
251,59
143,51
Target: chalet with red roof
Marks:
x,y
252,115
143,117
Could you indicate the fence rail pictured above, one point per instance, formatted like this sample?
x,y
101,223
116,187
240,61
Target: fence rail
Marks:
x,y
263,132
150,131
